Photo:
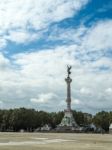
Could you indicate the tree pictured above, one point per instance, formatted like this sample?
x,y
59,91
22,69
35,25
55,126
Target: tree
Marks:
x,y
82,118
56,118
102,119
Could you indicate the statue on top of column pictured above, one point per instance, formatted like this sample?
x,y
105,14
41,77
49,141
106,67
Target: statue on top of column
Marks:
x,y
68,70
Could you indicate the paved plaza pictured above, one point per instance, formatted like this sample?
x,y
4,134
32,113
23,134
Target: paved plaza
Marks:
x,y
55,141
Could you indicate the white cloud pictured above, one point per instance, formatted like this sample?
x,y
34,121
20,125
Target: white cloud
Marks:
x,y
84,90
99,36
18,17
21,36
1,104
68,35
3,42
40,76
103,61
4,62
76,101
91,39
109,91
43,98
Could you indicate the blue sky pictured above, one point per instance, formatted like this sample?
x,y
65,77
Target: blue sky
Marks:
x,y
38,38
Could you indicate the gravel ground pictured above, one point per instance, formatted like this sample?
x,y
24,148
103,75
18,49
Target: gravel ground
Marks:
x,y
55,141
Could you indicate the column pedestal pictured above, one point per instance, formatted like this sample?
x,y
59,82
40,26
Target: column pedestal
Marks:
x,y
68,121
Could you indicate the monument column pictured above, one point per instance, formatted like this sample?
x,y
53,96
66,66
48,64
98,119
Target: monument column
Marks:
x,y
68,81
68,121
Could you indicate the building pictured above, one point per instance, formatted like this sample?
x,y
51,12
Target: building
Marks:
x,y
110,128
46,127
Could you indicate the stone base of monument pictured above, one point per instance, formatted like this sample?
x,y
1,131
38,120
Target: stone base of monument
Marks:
x,y
68,123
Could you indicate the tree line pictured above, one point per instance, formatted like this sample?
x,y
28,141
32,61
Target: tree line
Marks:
x,y
30,119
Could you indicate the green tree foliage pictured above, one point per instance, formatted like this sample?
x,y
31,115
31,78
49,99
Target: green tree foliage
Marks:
x,y
103,119
56,118
82,118
30,119
6,115
23,119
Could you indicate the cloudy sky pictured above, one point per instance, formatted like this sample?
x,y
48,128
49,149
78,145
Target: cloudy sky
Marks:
x,y
38,38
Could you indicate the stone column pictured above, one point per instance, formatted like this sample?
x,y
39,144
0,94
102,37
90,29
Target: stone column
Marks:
x,y
68,100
